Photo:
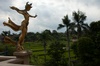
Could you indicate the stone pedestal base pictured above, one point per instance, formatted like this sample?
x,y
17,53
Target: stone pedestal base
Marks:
x,y
23,55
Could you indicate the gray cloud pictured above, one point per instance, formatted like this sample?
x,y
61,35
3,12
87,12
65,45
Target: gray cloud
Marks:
x,y
90,3
50,13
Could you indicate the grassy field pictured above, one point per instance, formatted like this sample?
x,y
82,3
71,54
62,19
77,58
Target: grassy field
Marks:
x,y
37,57
37,49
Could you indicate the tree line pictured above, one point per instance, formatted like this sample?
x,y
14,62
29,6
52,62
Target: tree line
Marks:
x,y
31,36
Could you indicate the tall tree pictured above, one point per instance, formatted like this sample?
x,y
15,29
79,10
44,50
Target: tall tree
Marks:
x,y
79,18
45,35
55,35
68,25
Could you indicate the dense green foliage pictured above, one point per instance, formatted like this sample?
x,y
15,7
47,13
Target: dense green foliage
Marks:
x,y
56,53
87,49
6,49
95,36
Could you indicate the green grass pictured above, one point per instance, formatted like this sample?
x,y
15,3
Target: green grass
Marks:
x,y
37,57
37,49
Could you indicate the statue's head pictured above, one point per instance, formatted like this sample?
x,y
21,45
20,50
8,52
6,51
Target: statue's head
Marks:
x,y
28,6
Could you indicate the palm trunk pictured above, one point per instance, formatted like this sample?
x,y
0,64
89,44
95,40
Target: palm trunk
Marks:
x,y
79,31
68,40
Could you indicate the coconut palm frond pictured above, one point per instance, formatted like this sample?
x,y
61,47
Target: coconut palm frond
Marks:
x,y
60,26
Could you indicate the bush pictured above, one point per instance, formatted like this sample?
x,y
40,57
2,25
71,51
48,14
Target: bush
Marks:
x,y
84,49
7,49
56,52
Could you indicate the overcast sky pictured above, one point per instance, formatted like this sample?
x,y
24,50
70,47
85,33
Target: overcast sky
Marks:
x,y
50,12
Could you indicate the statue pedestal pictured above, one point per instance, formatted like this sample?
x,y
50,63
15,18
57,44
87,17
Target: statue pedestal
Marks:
x,y
23,55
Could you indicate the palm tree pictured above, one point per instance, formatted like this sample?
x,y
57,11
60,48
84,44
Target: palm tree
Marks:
x,y
68,25
79,18
5,33
44,37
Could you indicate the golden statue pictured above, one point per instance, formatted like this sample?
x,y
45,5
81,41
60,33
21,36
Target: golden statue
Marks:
x,y
23,27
